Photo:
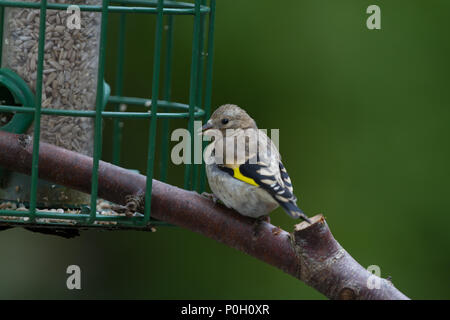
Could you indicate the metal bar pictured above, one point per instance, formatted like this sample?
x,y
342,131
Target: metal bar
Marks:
x,y
70,216
198,99
167,3
107,114
98,115
37,113
192,91
112,99
117,124
83,226
2,22
112,9
164,161
209,77
154,108
80,219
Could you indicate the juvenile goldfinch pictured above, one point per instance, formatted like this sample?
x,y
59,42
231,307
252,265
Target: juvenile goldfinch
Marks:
x,y
244,167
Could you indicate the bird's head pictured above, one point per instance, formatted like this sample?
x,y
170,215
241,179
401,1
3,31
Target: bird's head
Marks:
x,y
229,116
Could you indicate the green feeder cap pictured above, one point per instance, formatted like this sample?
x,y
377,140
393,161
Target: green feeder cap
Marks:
x,y
14,91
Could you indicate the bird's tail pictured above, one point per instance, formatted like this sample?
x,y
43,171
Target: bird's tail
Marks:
x,y
294,211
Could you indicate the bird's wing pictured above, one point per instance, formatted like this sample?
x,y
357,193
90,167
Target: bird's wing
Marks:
x,y
262,167
268,176
264,175
277,183
286,179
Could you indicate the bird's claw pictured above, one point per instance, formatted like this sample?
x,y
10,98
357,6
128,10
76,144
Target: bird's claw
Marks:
x,y
258,224
210,196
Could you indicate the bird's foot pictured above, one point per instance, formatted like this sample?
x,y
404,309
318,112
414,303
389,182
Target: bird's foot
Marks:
x,y
210,196
265,219
257,225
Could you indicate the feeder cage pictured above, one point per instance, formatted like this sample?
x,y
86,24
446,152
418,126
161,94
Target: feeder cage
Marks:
x,y
52,87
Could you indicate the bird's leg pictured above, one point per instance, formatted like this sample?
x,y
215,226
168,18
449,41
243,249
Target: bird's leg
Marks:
x,y
210,196
258,224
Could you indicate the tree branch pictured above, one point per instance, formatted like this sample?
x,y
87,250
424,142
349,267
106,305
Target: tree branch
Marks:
x,y
310,254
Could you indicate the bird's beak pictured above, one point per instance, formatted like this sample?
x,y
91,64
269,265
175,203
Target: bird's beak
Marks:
x,y
206,126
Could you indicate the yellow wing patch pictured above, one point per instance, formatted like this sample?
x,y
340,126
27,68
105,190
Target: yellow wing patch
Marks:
x,y
238,175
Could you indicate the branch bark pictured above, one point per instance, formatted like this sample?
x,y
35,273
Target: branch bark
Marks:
x,y
310,253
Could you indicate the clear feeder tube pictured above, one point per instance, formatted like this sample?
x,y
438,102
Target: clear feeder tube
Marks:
x,y
69,83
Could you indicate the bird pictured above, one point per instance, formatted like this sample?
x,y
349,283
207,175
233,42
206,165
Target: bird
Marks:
x,y
244,168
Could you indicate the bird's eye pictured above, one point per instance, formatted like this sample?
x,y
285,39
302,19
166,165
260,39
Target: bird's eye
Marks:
x,y
225,121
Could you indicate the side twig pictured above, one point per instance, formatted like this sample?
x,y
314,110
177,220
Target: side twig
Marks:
x,y
310,253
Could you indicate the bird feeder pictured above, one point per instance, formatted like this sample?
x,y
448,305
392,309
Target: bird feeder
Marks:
x,y
52,87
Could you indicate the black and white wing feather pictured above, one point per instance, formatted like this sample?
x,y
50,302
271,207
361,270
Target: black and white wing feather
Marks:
x,y
273,178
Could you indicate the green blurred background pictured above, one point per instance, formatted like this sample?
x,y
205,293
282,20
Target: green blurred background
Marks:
x,y
364,127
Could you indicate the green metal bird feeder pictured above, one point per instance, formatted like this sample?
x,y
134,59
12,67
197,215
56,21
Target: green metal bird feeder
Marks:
x,y
52,87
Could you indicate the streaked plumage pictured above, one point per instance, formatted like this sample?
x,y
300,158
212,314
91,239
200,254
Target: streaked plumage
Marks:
x,y
244,168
